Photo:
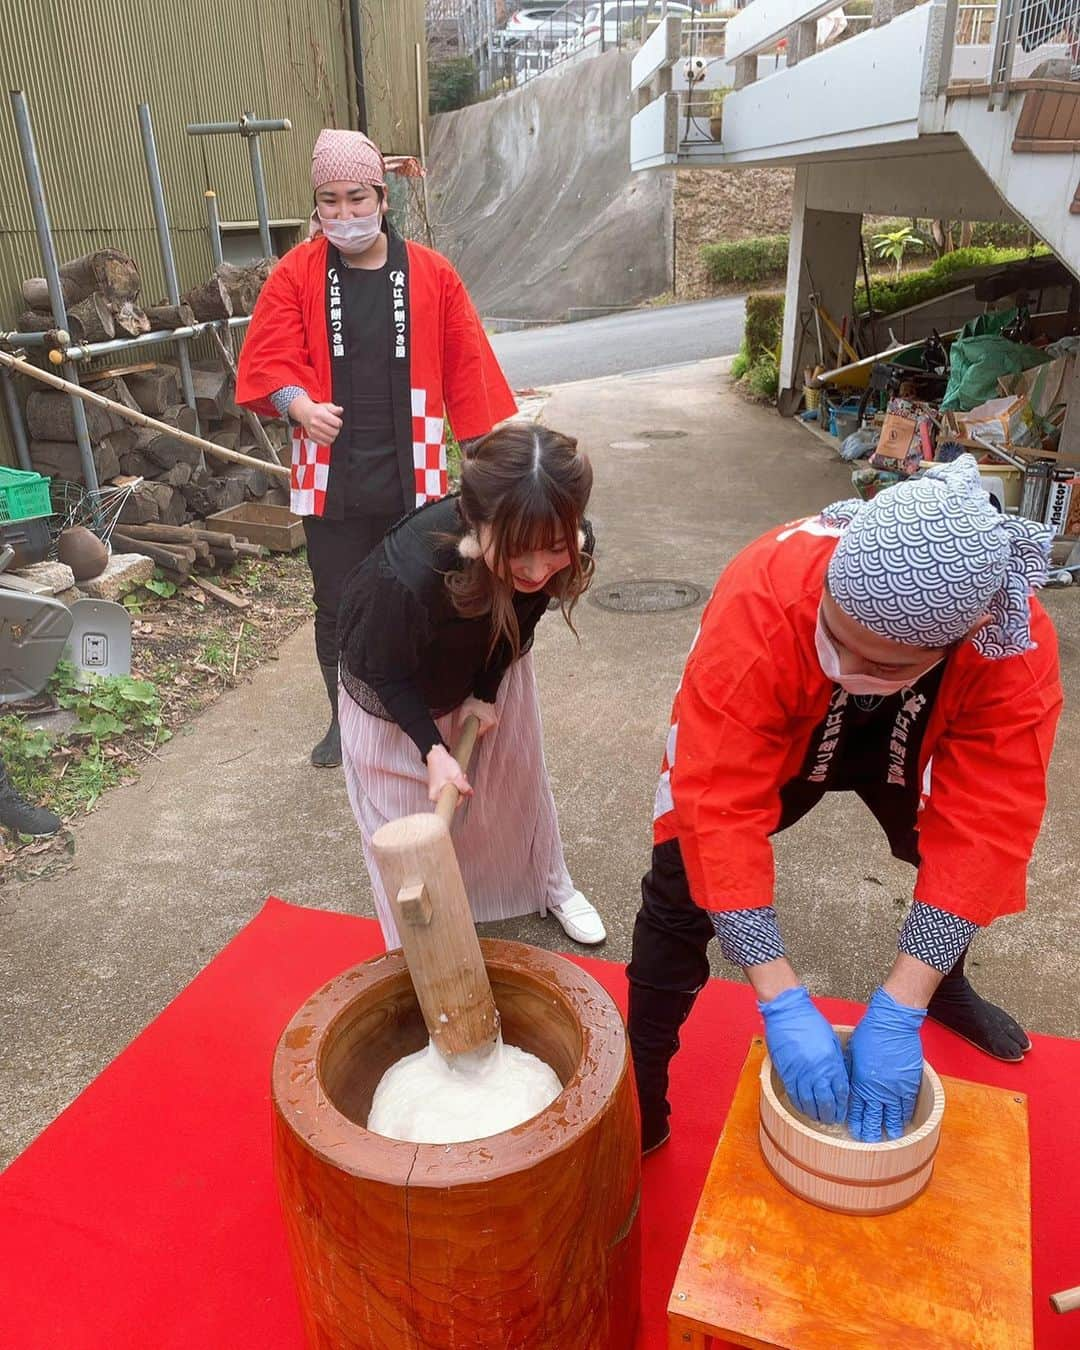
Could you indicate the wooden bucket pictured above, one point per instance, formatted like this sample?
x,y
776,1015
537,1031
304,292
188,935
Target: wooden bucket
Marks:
x,y
529,1238
843,1174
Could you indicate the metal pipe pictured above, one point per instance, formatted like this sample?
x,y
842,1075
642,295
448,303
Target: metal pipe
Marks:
x,y
213,226
85,351
15,421
152,339
168,260
262,204
36,190
157,197
246,126
356,28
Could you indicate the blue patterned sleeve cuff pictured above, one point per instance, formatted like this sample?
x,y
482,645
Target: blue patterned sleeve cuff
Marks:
x,y
934,936
748,937
282,398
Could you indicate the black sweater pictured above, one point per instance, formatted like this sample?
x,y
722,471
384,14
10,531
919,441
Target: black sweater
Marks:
x,y
401,636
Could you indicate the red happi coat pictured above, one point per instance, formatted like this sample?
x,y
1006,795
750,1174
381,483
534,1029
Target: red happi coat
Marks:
x,y
451,369
752,695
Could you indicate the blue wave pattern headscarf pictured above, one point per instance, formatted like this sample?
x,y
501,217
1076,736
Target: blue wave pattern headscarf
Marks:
x,y
922,562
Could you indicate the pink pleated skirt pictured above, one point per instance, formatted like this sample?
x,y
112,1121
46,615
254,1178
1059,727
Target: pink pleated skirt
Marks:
x,y
506,835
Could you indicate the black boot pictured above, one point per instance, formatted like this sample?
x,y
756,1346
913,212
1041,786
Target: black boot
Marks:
x,y
959,1008
17,814
655,1018
327,754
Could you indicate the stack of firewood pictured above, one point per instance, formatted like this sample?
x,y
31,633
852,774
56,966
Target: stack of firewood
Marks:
x,y
100,290
180,550
231,290
178,482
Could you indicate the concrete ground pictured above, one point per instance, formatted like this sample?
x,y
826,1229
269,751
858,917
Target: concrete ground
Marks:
x,y
169,869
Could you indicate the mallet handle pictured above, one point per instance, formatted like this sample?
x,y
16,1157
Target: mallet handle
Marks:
x,y
1068,1300
449,796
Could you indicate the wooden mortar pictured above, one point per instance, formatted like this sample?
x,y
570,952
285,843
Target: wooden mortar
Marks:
x,y
529,1238
843,1174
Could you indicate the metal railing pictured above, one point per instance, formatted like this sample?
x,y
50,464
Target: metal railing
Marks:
x,y
583,29
998,42
1032,36
975,24
703,39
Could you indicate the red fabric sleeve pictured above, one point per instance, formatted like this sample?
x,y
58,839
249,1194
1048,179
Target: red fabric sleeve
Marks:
x,y
733,741
987,793
275,351
475,390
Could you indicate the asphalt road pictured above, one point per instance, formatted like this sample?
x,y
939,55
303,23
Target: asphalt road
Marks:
x,y
643,339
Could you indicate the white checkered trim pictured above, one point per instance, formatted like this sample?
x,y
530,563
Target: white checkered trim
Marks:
x,y
310,475
429,449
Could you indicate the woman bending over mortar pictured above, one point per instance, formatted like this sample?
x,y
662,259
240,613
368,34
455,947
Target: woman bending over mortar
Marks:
x,y
436,625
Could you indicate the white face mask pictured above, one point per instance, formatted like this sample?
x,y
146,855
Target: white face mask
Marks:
x,y
355,235
867,685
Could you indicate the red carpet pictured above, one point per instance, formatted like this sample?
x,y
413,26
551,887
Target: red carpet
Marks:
x,y
145,1216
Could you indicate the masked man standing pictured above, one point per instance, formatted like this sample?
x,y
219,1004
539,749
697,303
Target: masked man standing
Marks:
x,y
365,341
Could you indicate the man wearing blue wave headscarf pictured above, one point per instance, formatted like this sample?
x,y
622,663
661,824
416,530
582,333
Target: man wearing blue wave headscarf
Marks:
x,y
889,648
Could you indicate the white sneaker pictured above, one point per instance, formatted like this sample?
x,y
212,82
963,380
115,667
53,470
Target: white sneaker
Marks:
x,y
580,920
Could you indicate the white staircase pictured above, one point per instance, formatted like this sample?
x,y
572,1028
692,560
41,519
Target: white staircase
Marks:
x,y
1039,181
949,91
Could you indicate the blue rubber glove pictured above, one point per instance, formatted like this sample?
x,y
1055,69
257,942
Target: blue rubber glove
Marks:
x,y
886,1064
807,1056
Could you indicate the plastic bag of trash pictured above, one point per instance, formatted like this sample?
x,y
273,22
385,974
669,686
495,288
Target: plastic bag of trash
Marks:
x,y
859,444
977,363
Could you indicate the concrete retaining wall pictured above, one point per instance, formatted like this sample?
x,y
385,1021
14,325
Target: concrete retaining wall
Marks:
x,y
532,198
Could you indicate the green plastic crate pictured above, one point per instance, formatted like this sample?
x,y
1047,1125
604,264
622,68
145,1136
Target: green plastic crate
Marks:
x,y
23,495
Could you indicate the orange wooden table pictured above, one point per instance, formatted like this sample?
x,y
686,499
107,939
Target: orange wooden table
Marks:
x,y
951,1271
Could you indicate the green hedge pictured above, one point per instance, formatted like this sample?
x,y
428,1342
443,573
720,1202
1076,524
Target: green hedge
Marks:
x,y
939,278
746,259
758,359
764,322
765,257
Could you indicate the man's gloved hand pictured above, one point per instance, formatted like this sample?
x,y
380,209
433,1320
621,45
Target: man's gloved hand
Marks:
x,y
886,1063
807,1055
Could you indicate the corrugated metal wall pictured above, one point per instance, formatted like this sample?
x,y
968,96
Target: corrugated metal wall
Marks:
x,y
85,65
392,30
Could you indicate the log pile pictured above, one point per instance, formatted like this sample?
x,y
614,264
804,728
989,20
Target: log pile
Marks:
x,y
230,290
181,550
101,293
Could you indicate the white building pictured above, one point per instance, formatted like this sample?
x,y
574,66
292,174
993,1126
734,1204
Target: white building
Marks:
x,y
944,110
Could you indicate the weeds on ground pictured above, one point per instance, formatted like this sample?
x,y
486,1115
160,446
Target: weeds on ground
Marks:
x,y
69,773
186,649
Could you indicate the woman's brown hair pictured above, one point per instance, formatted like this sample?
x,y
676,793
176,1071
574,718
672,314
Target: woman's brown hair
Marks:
x,y
529,486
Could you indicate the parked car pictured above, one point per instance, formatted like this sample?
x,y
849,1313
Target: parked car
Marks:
x,y
625,13
542,24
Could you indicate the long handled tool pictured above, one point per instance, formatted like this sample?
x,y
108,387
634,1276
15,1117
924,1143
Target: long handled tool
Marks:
x,y
139,418
420,873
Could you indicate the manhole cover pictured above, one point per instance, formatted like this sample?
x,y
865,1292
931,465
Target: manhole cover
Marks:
x,y
646,597
629,445
661,434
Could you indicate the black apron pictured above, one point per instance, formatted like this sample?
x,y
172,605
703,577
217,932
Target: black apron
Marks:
x,y
870,746
368,326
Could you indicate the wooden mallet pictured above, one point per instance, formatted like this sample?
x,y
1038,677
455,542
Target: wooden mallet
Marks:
x,y
420,873
1067,1300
